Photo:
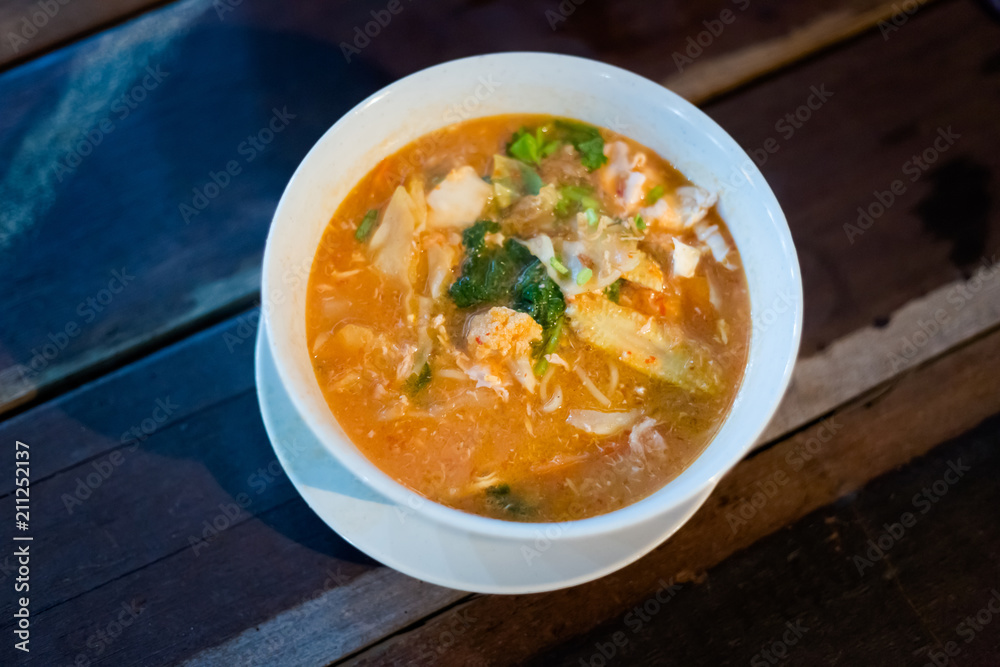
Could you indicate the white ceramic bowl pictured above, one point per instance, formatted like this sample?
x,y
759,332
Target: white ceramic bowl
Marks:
x,y
564,86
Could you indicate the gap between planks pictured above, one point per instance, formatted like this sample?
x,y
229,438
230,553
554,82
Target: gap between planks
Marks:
x,y
712,77
850,368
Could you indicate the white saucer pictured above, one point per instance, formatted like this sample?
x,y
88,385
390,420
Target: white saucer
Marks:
x,y
406,541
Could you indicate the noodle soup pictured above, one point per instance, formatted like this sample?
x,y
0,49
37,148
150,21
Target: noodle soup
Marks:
x,y
528,318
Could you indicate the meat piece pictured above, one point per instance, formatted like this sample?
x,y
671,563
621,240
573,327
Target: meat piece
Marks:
x,y
502,331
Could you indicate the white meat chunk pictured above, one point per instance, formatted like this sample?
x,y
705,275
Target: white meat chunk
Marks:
x,y
458,200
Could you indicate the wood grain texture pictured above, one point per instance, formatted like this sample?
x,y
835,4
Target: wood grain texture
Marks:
x,y
861,361
146,158
827,461
902,609
29,28
705,78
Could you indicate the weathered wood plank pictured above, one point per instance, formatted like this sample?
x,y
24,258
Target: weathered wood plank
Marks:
x,y
901,609
919,331
709,77
824,462
28,28
74,317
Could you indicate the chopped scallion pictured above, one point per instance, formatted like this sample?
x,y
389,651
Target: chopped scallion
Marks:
x,y
640,224
584,277
559,266
654,195
592,217
366,225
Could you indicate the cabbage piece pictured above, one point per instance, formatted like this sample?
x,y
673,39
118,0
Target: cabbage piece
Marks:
x,y
602,423
657,349
392,244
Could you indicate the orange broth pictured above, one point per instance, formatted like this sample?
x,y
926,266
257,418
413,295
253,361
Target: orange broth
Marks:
x,y
499,450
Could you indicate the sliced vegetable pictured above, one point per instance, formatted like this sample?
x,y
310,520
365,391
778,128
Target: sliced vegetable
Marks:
x,y
559,266
658,349
584,276
392,244
573,198
586,139
614,291
366,226
530,147
654,194
418,381
592,217
640,224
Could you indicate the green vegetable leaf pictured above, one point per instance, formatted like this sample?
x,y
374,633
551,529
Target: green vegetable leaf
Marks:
x,y
654,195
614,291
575,197
507,275
366,226
640,224
524,147
587,140
418,380
531,148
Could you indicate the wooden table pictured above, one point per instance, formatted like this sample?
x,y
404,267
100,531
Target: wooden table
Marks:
x,y
864,529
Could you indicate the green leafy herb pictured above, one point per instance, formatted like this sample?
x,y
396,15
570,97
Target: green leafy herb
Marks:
x,y
500,496
505,275
366,225
640,224
501,489
587,140
573,198
584,276
418,380
654,194
549,344
614,291
530,147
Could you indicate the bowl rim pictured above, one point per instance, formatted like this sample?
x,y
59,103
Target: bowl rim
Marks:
x,y
682,487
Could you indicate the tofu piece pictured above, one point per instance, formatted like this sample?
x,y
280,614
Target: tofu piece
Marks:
x,y
685,259
502,332
458,200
